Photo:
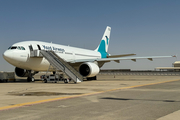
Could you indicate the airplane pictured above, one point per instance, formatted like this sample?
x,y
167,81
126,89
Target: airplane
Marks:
x,y
86,62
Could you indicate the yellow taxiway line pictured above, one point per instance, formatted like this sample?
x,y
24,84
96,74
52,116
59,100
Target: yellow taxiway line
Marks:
x,y
68,97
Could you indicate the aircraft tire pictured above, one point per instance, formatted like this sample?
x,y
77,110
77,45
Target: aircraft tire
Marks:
x,y
65,81
30,79
45,81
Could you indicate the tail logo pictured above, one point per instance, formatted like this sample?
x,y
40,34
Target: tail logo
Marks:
x,y
107,39
102,47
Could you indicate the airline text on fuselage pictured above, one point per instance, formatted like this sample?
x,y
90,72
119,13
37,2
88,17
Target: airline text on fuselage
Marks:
x,y
53,48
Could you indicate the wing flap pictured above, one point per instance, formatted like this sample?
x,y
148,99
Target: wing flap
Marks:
x,y
133,60
118,61
150,59
123,55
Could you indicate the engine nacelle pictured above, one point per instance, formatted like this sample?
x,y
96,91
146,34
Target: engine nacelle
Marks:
x,y
21,72
89,69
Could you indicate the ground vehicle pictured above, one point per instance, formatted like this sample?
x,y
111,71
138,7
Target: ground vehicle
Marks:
x,y
7,76
55,78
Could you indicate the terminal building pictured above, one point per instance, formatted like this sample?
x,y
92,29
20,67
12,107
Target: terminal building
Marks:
x,y
175,67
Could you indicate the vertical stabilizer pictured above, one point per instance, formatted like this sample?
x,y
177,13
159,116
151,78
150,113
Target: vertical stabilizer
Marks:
x,y
103,46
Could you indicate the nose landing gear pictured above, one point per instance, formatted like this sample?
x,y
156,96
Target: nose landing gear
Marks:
x,y
30,77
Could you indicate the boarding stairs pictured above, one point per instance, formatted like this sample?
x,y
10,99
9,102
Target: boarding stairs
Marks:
x,y
60,64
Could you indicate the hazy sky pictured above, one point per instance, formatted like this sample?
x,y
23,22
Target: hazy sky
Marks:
x,y
144,27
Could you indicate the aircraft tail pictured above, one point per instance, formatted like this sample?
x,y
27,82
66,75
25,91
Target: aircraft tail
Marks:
x,y
103,46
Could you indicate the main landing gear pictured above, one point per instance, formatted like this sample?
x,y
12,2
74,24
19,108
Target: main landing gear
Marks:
x,y
30,79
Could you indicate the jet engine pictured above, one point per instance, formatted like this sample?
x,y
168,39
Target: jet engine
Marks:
x,y
21,72
89,69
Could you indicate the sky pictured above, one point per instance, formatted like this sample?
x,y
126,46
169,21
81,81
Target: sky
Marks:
x,y
143,27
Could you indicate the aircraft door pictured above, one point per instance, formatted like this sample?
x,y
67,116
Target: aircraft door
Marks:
x,y
33,47
30,48
34,50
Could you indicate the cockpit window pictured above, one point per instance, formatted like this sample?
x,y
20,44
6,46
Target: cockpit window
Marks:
x,y
9,48
13,47
22,48
16,47
19,48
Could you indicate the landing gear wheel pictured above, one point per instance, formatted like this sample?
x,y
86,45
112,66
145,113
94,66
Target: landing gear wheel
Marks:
x,y
45,81
66,81
30,79
92,78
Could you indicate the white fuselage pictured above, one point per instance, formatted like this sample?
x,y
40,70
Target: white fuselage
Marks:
x,y
19,54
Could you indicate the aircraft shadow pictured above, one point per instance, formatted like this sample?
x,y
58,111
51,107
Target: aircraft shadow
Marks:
x,y
126,99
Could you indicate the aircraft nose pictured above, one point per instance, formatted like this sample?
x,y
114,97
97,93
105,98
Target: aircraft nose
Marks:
x,y
7,55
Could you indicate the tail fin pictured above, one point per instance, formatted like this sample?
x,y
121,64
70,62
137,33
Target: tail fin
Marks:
x,y
103,46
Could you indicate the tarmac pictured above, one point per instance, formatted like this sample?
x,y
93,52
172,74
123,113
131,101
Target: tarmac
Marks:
x,y
135,90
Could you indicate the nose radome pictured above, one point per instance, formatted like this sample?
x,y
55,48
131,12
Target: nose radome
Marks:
x,y
8,55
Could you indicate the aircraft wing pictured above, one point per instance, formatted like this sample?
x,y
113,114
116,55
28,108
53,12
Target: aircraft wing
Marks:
x,y
118,59
123,55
